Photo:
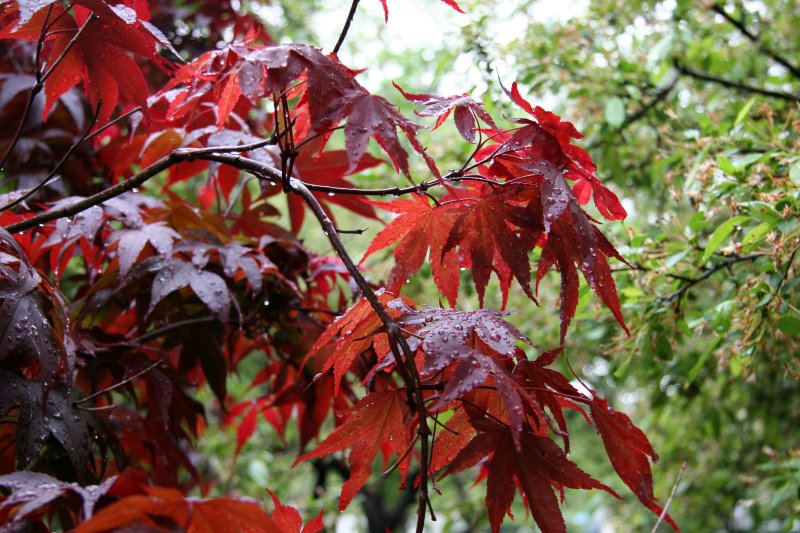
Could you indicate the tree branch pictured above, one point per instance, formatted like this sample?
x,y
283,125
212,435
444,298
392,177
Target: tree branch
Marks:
x,y
739,24
727,263
741,87
405,364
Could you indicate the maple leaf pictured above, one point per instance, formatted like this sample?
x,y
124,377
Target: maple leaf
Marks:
x,y
32,321
50,411
34,491
466,109
354,332
373,116
579,163
630,453
555,221
99,57
473,342
489,242
288,519
330,94
537,467
161,506
131,242
419,228
209,287
378,420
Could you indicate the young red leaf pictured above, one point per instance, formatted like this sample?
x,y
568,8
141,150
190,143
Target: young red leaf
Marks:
x,y
440,107
378,420
289,520
630,453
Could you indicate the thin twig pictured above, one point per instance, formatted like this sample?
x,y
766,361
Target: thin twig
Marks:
x,y
70,44
405,364
669,501
33,190
350,15
117,385
117,120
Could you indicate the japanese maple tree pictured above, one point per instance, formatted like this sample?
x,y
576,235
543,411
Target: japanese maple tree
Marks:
x,y
142,257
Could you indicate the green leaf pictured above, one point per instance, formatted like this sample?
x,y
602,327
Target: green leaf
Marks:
x,y
744,111
725,165
702,360
720,234
757,233
615,112
789,325
794,173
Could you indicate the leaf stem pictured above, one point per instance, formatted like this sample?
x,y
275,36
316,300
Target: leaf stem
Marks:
x,y
117,385
669,501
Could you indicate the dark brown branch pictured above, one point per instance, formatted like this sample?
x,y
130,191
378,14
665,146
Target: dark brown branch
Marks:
x,y
405,364
656,98
739,25
99,198
727,263
350,15
741,87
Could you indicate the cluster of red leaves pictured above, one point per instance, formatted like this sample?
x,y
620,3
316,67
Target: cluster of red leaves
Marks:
x,y
166,295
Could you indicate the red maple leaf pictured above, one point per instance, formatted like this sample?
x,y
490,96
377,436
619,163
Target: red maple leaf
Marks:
x,y
579,164
378,420
99,56
488,242
466,109
289,521
419,228
538,468
630,453
162,505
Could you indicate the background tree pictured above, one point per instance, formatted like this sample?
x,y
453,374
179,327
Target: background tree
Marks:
x,y
118,304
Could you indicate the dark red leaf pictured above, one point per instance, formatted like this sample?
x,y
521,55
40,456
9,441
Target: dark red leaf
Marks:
x,y
379,419
630,453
